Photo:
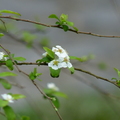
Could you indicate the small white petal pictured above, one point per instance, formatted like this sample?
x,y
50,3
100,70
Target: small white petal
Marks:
x,y
44,54
52,86
7,97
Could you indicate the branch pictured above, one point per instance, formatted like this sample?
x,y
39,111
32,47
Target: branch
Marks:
x,y
57,26
96,76
77,69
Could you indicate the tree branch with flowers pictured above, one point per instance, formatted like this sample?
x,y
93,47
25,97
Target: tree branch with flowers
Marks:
x,y
56,59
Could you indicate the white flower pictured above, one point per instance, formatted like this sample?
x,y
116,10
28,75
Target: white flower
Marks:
x,y
59,51
52,86
55,64
44,54
2,56
66,62
7,97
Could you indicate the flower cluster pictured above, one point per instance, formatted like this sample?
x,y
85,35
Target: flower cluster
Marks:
x,y
62,60
2,56
52,86
7,97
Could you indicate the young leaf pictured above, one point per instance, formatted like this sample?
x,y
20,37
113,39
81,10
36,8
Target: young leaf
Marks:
x,y
114,79
72,70
9,113
1,34
9,64
54,73
75,28
5,83
17,96
3,103
19,58
49,52
63,17
76,58
9,11
54,16
55,102
25,118
70,23
118,72
60,94
65,27
4,74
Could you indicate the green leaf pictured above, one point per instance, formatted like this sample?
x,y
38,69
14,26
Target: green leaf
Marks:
x,y
54,73
118,72
70,23
75,28
54,16
19,58
63,17
44,60
25,118
9,64
49,52
75,58
5,83
10,115
60,94
33,75
3,103
72,70
1,34
49,91
54,92
9,11
114,79
4,74
65,27
18,96
55,101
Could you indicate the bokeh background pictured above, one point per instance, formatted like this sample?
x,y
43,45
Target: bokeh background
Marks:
x,y
87,98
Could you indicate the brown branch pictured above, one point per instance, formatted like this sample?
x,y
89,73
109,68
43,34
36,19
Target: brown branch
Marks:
x,y
98,77
57,26
77,69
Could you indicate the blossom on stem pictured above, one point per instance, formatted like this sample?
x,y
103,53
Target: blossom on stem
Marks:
x,y
2,56
7,97
55,64
66,62
52,86
59,51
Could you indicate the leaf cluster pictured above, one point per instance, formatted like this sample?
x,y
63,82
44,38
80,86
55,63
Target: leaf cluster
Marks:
x,y
63,22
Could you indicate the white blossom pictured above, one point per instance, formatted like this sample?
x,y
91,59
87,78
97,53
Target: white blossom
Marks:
x,y
44,54
52,86
59,51
2,56
7,97
66,62
55,64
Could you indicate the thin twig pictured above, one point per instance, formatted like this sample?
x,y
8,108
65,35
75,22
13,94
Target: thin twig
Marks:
x,y
57,26
96,76
2,114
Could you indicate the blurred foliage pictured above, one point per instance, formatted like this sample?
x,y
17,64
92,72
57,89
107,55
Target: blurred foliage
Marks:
x,y
76,107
